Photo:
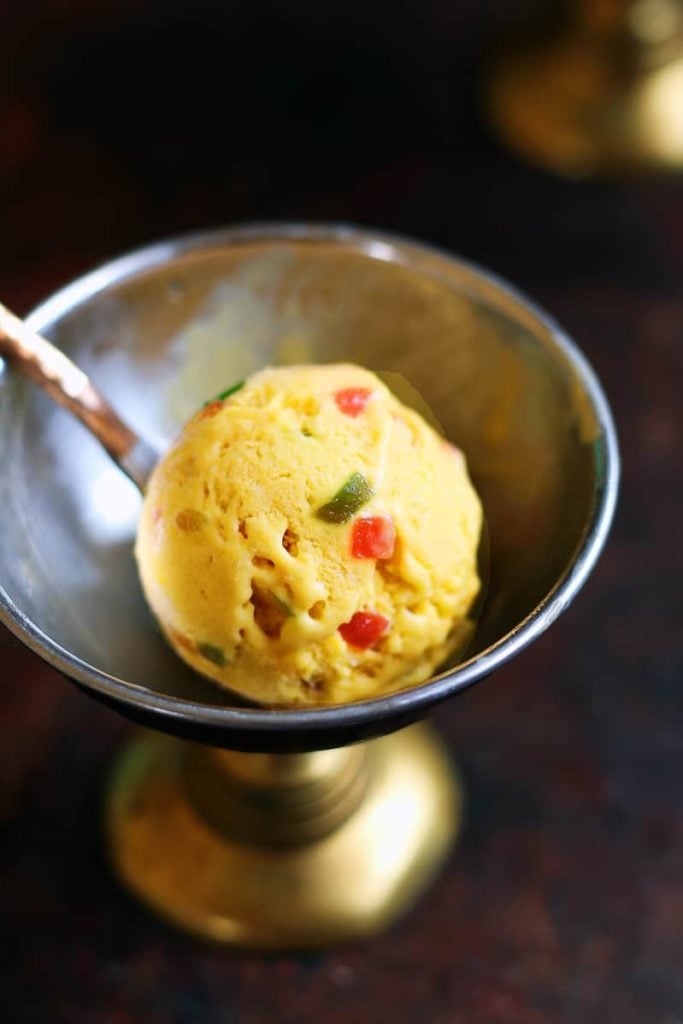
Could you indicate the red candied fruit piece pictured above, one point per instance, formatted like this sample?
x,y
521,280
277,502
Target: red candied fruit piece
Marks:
x,y
373,537
364,629
352,401
212,409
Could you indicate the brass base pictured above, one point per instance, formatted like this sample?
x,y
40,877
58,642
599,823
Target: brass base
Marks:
x,y
282,851
567,105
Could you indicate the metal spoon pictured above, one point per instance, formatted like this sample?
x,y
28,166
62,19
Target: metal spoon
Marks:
x,y
62,380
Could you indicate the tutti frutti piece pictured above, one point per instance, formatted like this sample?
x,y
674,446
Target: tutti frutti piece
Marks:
x,y
355,493
373,537
309,539
364,629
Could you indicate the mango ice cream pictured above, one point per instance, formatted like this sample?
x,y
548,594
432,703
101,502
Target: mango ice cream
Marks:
x,y
309,540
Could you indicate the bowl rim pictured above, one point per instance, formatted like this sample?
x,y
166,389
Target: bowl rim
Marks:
x,y
385,246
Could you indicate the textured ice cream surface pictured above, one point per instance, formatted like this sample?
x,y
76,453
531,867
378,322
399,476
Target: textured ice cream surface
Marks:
x,y
309,539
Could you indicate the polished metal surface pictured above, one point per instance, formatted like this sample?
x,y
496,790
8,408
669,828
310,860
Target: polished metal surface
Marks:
x,y
161,330
212,858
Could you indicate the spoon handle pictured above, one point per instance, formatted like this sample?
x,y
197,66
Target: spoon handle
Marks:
x,y
67,385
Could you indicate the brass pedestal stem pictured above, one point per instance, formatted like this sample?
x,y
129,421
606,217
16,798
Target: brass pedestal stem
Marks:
x,y
602,93
282,851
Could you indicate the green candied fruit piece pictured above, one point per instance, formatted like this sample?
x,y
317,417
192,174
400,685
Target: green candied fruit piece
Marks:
x,y
228,393
212,654
283,606
355,493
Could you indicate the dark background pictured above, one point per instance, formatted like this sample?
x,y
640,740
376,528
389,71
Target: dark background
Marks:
x,y
123,122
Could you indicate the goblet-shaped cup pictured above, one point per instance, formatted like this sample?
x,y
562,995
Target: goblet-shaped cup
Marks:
x,y
279,827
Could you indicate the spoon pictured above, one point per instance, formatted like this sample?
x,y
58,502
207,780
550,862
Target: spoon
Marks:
x,y
60,378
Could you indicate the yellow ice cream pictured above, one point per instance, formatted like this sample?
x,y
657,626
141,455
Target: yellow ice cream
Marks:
x,y
309,539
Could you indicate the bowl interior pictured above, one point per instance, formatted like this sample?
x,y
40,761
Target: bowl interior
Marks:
x,y
161,334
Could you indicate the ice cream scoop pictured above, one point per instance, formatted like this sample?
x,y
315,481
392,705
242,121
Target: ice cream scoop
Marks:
x,y
310,539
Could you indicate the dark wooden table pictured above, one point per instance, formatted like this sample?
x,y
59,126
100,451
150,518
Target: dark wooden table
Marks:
x,y
564,901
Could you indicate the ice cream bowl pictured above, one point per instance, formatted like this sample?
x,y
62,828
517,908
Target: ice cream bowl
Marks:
x,y
278,804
